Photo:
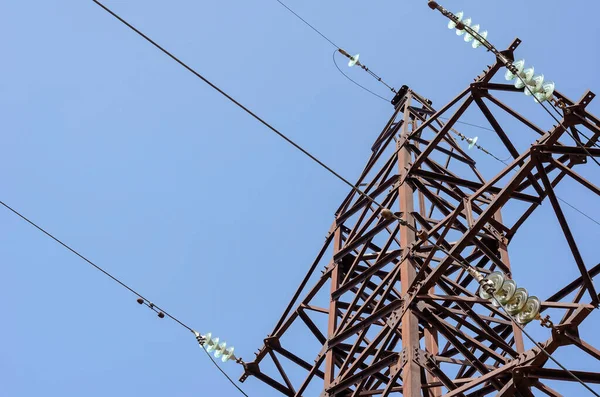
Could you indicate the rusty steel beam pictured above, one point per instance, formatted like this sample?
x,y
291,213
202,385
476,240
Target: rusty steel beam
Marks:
x,y
556,374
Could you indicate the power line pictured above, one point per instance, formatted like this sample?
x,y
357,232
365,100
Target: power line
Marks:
x,y
559,198
349,78
580,211
238,104
149,303
341,51
461,262
471,124
223,372
308,24
115,279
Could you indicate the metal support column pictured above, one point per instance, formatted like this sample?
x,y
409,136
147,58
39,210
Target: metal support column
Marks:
x,y
411,375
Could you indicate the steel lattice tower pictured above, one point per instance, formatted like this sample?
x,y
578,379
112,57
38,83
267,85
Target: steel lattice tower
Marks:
x,y
393,315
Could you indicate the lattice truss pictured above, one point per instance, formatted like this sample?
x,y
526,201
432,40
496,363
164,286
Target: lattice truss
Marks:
x,y
391,314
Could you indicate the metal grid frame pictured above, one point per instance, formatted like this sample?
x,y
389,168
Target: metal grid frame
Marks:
x,y
393,297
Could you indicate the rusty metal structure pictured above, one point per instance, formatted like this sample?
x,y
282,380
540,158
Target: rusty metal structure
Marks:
x,y
383,311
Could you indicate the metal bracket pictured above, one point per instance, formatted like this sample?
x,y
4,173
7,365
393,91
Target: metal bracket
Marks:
x,y
424,358
509,52
394,369
272,342
586,99
394,318
249,369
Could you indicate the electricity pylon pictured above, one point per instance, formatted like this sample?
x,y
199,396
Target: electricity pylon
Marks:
x,y
394,310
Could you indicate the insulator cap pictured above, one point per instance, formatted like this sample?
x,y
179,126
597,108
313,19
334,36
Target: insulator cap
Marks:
x,y
433,5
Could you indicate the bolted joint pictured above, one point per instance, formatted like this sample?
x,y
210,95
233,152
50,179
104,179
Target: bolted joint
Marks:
x,y
250,369
272,342
513,69
394,369
199,338
558,102
546,322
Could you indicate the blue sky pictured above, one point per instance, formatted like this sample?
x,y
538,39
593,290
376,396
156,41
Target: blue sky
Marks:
x,y
140,166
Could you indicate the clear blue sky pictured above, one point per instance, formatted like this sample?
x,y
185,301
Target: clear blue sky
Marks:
x,y
139,165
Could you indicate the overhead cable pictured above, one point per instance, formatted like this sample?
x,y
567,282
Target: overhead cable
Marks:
x,y
353,58
141,299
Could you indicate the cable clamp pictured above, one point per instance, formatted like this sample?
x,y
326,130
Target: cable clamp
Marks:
x,y
344,53
141,301
201,340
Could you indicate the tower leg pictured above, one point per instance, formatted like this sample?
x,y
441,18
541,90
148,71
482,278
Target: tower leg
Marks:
x,y
411,375
335,279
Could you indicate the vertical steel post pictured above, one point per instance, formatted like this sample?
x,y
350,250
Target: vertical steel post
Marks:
x,y
431,335
335,280
411,375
